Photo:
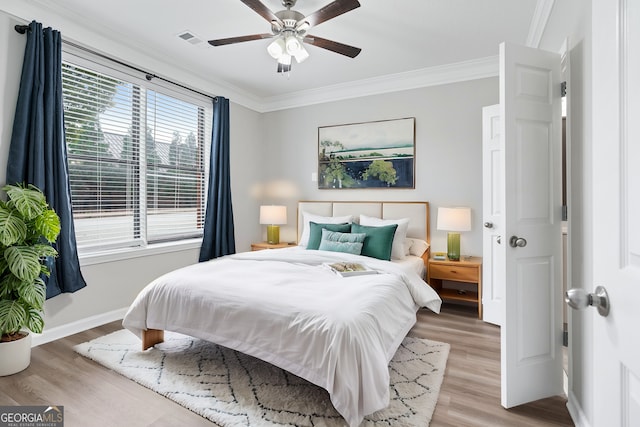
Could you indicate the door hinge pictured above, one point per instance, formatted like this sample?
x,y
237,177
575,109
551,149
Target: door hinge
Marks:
x,y
563,89
565,213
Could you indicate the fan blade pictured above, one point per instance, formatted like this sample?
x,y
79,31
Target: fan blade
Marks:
x,y
336,47
262,10
330,11
231,40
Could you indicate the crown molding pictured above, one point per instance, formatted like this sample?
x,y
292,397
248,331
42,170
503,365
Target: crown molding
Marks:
x,y
432,76
539,22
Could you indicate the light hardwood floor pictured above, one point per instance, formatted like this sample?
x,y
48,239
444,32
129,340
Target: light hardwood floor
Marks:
x,y
470,392
95,396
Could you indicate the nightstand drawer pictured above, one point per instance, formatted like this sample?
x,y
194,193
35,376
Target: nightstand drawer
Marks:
x,y
453,272
264,245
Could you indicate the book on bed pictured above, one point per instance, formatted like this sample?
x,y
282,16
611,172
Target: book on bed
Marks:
x,y
346,269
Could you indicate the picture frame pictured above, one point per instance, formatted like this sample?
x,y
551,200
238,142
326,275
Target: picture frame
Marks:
x,y
377,154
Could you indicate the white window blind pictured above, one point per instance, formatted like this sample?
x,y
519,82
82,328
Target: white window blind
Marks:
x,y
175,172
137,160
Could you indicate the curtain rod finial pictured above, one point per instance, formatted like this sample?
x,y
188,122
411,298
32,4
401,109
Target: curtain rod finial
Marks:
x,y
22,29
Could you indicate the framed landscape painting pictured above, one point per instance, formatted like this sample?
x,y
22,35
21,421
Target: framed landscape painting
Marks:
x,y
377,154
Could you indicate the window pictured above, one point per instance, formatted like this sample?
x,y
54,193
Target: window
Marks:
x,y
137,155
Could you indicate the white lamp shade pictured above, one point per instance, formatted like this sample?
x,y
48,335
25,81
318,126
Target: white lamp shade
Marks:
x,y
302,54
454,219
276,48
273,215
285,59
293,45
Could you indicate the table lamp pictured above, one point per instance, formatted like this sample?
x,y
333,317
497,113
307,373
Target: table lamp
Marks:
x,y
273,216
454,220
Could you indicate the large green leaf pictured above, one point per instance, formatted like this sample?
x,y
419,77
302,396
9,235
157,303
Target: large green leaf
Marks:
x,y
13,316
29,201
44,270
9,285
12,227
24,262
45,250
48,224
35,322
33,293
3,263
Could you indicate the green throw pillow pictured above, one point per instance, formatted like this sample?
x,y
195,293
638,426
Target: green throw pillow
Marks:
x,y
315,232
379,240
334,241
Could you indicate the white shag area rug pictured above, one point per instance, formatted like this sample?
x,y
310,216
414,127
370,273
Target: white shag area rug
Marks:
x,y
233,389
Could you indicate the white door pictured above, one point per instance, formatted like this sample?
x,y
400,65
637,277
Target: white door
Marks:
x,y
492,189
616,211
531,336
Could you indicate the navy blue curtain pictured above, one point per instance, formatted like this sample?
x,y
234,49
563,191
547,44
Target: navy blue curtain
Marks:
x,y
219,237
38,152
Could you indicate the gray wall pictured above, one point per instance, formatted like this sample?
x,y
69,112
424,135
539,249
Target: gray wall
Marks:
x,y
448,162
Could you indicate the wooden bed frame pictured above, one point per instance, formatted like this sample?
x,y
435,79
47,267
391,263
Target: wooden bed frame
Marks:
x,y
151,337
418,229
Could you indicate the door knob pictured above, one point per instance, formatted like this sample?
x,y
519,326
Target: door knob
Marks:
x,y
488,224
579,299
517,242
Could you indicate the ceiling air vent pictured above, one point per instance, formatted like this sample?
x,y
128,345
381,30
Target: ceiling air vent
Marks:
x,y
190,37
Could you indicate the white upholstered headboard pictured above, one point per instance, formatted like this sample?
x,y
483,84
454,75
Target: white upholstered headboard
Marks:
x,y
417,212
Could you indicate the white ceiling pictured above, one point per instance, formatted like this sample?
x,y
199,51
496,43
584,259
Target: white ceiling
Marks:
x,y
401,40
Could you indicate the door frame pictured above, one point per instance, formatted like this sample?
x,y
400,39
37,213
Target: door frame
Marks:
x,y
565,70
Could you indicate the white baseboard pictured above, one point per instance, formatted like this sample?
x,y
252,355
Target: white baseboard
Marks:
x,y
78,326
575,410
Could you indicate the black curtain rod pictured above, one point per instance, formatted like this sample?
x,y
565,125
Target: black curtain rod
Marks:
x,y
22,29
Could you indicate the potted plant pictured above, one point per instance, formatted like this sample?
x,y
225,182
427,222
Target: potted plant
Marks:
x,y
28,227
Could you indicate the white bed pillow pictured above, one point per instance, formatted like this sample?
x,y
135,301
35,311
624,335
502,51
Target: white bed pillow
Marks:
x,y
307,218
397,249
416,247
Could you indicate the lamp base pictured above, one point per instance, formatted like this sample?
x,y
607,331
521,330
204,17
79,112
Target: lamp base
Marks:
x,y
273,234
453,246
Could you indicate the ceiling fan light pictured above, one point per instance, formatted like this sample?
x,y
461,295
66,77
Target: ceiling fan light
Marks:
x,y
276,48
284,59
301,55
293,45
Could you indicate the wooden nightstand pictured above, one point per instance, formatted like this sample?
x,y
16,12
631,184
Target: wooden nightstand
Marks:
x,y
264,245
468,270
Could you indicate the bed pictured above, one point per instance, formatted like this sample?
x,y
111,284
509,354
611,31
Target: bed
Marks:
x,y
287,307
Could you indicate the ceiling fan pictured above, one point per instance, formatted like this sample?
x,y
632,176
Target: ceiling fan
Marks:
x,y
289,27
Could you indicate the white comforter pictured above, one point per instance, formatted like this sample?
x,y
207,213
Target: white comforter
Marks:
x,y
283,306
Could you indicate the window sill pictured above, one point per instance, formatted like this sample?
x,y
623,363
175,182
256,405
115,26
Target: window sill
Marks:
x,y
104,257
